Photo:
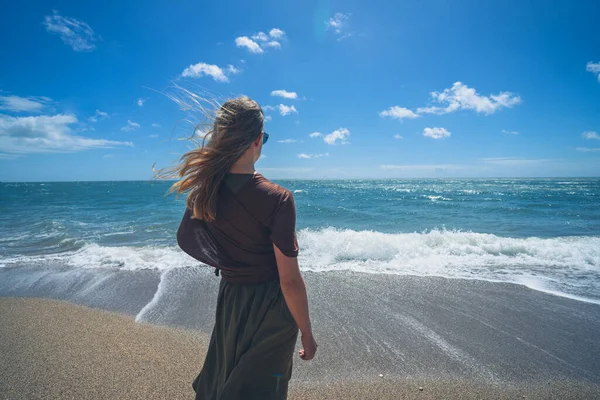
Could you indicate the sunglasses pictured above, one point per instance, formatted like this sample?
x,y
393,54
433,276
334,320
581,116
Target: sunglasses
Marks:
x,y
265,137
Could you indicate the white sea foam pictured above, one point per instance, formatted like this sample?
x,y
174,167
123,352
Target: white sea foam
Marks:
x,y
567,266
121,257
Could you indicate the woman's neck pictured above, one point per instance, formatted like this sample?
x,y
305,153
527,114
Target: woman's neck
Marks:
x,y
242,168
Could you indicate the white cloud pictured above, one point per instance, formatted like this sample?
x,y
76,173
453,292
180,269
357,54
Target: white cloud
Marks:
x,y
289,141
273,43
285,110
156,126
594,68
153,136
285,94
261,41
398,113
436,133
108,156
339,135
131,126
46,134
268,118
203,69
458,97
590,135
462,97
588,149
309,156
233,69
251,45
98,115
23,104
140,102
276,33
339,24
316,135
261,36
397,136
74,33
512,161
510,132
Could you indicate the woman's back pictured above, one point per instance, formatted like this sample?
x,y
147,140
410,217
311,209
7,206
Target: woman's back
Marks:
x,y
252,214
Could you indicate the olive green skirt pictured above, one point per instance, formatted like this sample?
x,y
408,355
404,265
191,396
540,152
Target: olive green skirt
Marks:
x,y
252,345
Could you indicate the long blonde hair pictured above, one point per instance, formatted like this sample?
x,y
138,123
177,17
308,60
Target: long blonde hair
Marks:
x,y
237,124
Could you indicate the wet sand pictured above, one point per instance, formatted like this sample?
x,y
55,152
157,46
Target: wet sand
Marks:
x,y
380,336
57,350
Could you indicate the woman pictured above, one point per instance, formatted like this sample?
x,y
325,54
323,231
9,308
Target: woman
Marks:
x,y
245,226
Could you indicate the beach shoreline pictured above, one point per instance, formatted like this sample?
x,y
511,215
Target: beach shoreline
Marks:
x,y
57,350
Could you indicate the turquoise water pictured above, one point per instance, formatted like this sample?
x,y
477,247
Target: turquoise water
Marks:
x,y
543,233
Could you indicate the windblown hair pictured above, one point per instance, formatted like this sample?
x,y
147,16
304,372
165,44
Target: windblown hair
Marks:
x,y
237,124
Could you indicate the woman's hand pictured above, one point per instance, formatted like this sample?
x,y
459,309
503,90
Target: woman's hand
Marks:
x,y
309,349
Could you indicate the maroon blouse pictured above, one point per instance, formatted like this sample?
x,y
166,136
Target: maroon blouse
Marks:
x,y
252,214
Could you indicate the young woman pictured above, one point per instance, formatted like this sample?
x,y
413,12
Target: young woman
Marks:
x,y
245,226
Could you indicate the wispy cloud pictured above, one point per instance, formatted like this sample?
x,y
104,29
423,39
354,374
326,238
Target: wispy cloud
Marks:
x,y
594,68
202,69
289,141
512,161
510,132
47,134
24,104
588,149
436,133
131,126
316,135
285,94
277,33
339,24
98,115
153,136
397,136
140,101
458,97
258,42
6,156
156,126
309,156
268,118
77,34
274,44
260,36
339,136
233,70
286,110
420,168
398,113
590,135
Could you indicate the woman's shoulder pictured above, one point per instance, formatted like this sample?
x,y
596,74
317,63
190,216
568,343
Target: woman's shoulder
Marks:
x,y
271,191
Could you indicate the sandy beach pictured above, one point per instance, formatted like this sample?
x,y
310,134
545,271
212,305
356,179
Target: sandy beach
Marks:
x,y
454,339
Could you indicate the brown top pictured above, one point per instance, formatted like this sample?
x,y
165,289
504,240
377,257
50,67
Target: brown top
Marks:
x,y
252,214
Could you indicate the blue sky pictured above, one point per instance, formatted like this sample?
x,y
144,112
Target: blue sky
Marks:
x,y
386,88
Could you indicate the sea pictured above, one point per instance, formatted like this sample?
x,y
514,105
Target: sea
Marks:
x,y
541,233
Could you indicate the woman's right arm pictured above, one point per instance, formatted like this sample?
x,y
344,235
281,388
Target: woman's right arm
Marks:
x,y
294,292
